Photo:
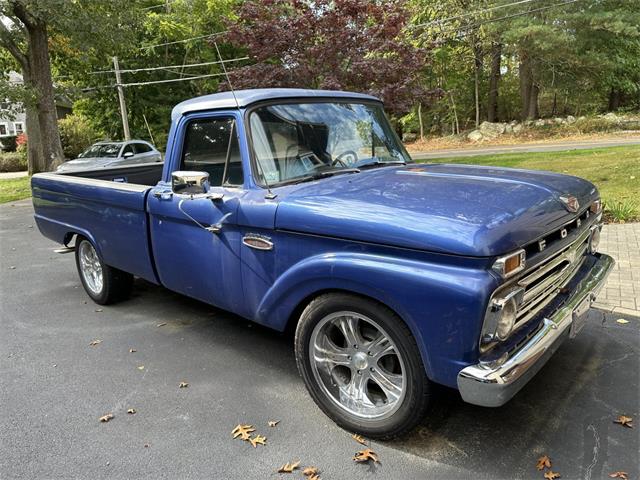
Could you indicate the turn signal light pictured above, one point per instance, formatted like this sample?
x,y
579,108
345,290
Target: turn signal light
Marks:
x,y
596,206
511,264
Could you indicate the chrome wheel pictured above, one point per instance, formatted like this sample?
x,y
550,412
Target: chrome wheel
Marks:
x,y
91,268
357,365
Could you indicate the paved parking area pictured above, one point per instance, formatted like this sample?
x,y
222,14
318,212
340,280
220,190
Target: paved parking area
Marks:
x,y
55,386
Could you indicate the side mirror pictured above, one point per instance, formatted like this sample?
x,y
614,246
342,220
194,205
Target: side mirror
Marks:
x,y
190,183
127,155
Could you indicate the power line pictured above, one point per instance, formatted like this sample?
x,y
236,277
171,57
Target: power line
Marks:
x,y
476,12
163,67
514,15
183,41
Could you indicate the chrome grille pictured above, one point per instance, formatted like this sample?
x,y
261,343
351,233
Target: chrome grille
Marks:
x,y
547,280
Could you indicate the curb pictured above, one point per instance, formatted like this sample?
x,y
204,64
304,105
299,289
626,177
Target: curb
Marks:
x,y
617,310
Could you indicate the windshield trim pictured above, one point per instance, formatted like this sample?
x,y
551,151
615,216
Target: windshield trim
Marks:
x,y
253,163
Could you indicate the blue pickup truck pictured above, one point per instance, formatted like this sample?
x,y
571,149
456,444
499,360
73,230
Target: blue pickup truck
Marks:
x,y
301,210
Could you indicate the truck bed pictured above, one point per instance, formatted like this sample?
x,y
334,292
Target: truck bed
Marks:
x,y
107,206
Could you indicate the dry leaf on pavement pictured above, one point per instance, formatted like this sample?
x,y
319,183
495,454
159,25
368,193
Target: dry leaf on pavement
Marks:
x,y
624,421
543,462
98,310
310,472
93,343
107,417
243,431
161,324
258,440
551,475
131,411
622,475
183,385
141,367
273,423
359,439
365,455
622,321
132,350
289,467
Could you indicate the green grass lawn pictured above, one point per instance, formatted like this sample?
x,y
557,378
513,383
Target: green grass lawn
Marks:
x,y
14,189
615,171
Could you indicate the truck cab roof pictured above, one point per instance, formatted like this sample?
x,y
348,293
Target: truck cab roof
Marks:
x,y
247,97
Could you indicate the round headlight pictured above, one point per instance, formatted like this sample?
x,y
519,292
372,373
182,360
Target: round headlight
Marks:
x,y
594,240
506,319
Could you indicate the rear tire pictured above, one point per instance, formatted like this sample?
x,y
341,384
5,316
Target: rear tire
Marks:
x,y
369,380
104,284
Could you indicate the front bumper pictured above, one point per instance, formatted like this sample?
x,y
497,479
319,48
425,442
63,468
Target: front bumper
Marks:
x,y
493,384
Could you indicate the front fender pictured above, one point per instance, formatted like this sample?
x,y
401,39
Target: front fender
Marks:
x,y
443,305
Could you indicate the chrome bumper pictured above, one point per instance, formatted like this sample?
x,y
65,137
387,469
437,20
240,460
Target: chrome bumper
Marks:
x,y
493,384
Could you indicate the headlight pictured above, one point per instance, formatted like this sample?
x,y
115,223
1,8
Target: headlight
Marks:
x,y
511,264
501,316
594,239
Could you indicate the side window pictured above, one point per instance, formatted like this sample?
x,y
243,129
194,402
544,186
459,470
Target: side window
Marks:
x,y
141,148
127,149
206,144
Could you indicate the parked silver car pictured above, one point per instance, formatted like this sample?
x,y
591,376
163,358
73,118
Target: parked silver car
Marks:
x,y
112,154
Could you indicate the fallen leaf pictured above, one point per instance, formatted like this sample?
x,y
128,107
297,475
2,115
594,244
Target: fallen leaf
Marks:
x,y
313,477
131,411
622,475
310,472
365,455
359,439
622,321
12,267
624,421
146,445
183,385
107,417
161,324
243,431
98,310
543,462
132,350
273,423
95,342
258,440
551,475
141,367
289,467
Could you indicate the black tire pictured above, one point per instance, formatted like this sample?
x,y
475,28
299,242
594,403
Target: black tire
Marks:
x,y
412,407
116,284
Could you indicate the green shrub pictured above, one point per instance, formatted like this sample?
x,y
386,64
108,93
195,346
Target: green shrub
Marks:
x,y
621,212
76,134
8,143
13,162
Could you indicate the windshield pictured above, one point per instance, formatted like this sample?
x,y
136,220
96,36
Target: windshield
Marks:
x,y
298,141
101,150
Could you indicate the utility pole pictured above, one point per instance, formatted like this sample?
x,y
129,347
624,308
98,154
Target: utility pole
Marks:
x,y
123,103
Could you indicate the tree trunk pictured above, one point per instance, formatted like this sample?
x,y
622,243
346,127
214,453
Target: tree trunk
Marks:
x,y
420,121
529,90
494,79
614,100
477,70
35,159
534,112
41,81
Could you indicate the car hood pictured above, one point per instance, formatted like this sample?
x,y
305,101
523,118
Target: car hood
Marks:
x,y
86,163
456,209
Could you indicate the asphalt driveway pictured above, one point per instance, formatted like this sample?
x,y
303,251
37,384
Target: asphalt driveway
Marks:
x,y
55,386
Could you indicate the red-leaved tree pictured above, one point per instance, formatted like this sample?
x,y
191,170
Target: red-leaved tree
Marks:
x,y
356,45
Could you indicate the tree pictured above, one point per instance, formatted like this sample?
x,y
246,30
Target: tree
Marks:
x,y
29,28
355,45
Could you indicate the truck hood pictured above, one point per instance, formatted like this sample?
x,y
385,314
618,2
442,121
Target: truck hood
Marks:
x,y
456,209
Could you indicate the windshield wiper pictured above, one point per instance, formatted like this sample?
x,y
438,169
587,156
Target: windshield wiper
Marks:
x,y
375,162
322,174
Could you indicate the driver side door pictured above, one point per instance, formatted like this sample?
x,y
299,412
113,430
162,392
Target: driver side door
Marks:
x,y
191,259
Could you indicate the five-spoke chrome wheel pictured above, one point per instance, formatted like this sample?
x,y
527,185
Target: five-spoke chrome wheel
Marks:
x,y
357,365
90,268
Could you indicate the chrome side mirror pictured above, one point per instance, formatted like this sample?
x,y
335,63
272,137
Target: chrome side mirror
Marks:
x,y
190,183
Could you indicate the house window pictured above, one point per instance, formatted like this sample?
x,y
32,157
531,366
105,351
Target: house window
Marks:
x,y
4,129
19,127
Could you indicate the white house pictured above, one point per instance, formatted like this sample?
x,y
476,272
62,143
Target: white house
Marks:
x,y
12,124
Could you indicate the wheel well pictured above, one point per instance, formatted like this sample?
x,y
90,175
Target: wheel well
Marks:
x,y
292,322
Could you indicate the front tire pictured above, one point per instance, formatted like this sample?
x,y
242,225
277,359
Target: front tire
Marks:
x,y
361,365
104,284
